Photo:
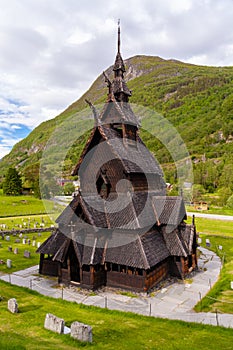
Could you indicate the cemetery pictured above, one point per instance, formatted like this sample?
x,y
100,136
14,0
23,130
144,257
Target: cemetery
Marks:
x,y
18,248
83,260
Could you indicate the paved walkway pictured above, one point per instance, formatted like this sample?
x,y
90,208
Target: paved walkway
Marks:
x,y
175,301
211,216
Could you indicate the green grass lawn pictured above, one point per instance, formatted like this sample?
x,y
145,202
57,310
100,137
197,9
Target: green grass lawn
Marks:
x,y
18,260
213,227
111,329
222,289
212,210
23,205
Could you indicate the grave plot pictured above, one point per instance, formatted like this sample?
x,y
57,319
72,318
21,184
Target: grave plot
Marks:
x,y
18,252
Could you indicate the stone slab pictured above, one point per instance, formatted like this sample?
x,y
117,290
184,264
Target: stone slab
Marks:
x,y
81,331
54,323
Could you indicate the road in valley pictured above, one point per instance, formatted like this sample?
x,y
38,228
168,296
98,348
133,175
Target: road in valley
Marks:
x,y
211,216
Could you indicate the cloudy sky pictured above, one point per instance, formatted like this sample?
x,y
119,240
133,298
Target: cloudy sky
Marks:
x,y
51,51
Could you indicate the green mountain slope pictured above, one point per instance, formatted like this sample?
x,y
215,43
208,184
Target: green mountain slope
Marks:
x,y
197,100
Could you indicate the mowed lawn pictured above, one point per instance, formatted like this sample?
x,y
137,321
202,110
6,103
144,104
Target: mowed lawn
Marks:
x,y
24,205
213,227
111,329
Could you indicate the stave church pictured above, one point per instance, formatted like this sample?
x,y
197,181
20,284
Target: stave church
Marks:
x,y
120,230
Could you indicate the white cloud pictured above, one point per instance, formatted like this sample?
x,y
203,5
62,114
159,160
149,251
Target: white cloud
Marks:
x,y
51,51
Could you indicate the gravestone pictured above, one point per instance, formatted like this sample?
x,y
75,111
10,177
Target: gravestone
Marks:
x,y
10,249
220,247
54,323
207,241
13,306
16,251
17,240
38,244
39,234
34,243
24,241
20,235
7,238
9,263
231,284
199,240
27,254
81,331
29,241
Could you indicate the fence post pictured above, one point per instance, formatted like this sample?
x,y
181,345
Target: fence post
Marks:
x,y
216,311
200,300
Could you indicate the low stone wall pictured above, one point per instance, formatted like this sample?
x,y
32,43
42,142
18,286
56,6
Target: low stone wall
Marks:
x,y
28,230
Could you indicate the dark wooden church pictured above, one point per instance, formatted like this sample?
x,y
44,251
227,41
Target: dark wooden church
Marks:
x,y
120,229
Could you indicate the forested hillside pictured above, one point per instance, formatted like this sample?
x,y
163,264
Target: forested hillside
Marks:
x,y
197,100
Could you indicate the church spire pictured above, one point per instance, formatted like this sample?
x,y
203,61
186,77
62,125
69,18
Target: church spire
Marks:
x,y
119,67
119,37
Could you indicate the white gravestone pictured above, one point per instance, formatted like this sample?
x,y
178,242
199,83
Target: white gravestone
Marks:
x,y
12,305
81,331
54,323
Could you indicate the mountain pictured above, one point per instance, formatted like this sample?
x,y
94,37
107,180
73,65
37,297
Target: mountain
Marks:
x,y
196,100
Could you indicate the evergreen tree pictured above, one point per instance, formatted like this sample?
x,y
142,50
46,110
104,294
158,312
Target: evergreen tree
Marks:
x,y
13,183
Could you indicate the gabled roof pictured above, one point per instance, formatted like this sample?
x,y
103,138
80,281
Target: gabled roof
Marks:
x,y
136,159
118,112
124,211
169,210
179,241
52,244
